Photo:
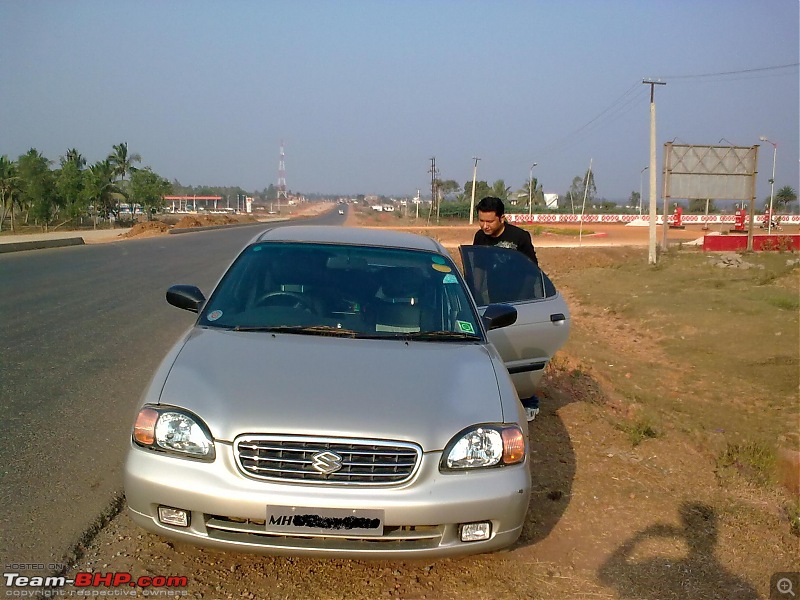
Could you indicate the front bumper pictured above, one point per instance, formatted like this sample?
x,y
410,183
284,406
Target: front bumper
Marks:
x,y
421,517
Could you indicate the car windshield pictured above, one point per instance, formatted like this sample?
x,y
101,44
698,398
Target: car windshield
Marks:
x,y
343,290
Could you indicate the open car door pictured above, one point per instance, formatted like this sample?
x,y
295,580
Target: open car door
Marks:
x,y
503,276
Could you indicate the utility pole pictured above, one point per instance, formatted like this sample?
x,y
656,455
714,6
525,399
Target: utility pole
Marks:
x,y
434,190
282,179
652,167
474,177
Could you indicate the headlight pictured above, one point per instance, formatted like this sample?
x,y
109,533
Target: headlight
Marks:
x,y
171,430
485,446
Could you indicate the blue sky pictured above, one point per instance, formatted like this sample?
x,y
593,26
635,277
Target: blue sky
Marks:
x,y
363,93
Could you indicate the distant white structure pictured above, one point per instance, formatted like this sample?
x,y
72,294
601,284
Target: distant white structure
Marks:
x,y
551,200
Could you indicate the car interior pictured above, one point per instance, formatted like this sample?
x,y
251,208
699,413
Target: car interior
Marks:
x,y
380,293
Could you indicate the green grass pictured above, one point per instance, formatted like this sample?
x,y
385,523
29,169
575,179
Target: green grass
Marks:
x,y
638,431
720,346
754,461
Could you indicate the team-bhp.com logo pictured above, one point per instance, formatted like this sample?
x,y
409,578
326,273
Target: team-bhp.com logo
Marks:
x,y
94,580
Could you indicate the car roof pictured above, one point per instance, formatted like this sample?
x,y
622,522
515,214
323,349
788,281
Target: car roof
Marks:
x,y
361,236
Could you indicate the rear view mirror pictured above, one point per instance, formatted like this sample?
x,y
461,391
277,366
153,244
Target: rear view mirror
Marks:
x,y
187,297
499,315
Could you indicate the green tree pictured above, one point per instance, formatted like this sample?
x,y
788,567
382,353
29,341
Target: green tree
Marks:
x,y
697,206
448,189
500,190
482,190
9,189
532,189
783,198
100,190
149,189
38,190
70,184
122,163
635,200
583,186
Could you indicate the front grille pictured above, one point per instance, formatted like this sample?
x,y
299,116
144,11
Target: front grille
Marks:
x,y
394,539
362,462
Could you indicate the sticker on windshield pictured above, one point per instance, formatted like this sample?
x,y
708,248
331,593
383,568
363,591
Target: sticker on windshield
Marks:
x,y
442,268
449,278
438,260
465,326
214,315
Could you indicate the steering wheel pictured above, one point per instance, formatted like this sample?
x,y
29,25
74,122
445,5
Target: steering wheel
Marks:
x,y
298,300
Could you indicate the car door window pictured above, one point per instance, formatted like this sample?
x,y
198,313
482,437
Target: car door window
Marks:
x,y
501,275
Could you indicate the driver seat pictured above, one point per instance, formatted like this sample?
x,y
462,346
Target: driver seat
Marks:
x,y
397,301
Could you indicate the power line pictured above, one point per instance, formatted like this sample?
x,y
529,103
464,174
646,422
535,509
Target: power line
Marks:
x,y
629,100
725,73
611,113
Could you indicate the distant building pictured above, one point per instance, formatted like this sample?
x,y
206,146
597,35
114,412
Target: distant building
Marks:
x,y
551,200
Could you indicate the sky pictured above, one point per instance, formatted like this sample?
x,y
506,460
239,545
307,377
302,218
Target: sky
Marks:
x,y
362,93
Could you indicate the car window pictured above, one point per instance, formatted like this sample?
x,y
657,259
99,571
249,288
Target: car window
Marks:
x,y
367,291
502,275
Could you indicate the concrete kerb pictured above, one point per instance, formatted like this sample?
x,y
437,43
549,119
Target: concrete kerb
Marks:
x,y
41,244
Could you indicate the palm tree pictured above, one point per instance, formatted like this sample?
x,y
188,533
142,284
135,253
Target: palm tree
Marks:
x,y
785,196
70,182
37,187
74,157
122,163
9,189
100,189
500,190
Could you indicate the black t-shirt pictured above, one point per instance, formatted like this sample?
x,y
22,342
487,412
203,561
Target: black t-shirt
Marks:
x,y
512,237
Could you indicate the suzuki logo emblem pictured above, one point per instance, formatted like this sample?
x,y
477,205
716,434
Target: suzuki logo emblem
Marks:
x,y
326,462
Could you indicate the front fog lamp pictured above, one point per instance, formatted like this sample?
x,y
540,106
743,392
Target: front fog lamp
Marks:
x,y
173,431
173,516
485,446
475,532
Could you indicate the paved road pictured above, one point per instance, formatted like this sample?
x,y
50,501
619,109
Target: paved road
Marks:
x,y
82,328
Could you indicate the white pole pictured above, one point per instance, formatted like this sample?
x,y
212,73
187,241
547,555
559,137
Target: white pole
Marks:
x,y
474,177
772,185
583,210
530,190
652,241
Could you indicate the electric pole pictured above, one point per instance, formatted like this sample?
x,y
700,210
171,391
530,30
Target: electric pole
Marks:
x,y
434,190
652,167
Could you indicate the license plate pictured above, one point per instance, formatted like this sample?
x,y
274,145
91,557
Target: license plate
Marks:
x,y
299,520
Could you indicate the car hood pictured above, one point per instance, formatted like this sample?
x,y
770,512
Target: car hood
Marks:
x,y
260,382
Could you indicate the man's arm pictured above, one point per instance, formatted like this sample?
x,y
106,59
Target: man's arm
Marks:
x,y
526,247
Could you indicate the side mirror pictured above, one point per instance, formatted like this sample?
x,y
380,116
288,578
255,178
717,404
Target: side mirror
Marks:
x,y
187,297
499,315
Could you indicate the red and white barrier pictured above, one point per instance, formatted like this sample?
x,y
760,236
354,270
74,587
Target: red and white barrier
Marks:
x,y
624,219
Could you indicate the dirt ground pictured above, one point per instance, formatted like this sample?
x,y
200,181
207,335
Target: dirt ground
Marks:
x,y
607,519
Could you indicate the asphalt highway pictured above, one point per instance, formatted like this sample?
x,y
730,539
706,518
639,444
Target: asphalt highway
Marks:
x,y
82,329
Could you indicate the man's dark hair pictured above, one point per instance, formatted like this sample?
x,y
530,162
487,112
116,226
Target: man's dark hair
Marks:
x,y
491,204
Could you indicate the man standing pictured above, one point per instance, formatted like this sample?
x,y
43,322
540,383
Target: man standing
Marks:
x,y
495,231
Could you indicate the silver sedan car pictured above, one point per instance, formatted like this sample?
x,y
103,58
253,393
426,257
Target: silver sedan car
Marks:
x,y
339,395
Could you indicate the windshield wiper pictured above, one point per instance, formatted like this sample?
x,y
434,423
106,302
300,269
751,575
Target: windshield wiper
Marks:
x,y
441,335
301,329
